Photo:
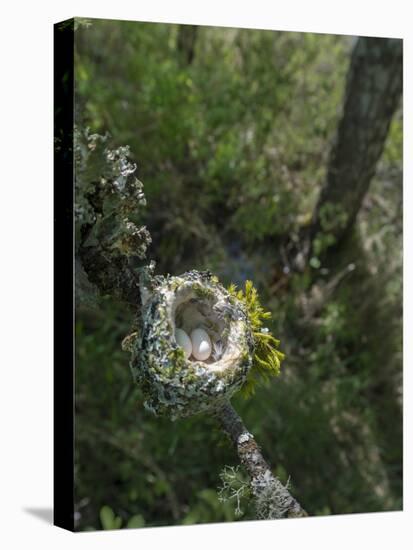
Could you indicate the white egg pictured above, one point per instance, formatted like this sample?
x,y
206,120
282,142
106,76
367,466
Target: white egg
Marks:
x,y
183,340
201,344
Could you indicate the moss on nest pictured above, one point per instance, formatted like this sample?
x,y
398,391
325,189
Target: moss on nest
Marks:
x,y
267,357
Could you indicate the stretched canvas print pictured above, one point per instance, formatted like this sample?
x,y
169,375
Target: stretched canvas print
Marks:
x,y
228,274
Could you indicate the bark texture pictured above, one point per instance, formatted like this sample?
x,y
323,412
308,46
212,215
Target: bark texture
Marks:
x,y
374,86
110,239
272,498
186,43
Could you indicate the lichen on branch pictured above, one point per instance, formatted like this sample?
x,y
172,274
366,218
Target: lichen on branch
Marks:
x,y
272,499
110,238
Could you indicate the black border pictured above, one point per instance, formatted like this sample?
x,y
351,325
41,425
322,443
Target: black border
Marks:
x,y
63,490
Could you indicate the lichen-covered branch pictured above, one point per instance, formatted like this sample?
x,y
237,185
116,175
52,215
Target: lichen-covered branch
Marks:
x,y
110,238
272,498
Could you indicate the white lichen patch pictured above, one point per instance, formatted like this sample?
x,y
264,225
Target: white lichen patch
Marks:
x,y
243,438
173,383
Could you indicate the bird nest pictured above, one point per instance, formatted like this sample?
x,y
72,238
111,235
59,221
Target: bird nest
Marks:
x,y
175,382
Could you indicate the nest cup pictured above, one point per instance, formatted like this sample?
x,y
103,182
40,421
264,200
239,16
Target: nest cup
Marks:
x,y
172,384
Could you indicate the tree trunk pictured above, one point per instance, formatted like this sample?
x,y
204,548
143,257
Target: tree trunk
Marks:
x,y
186,43
374,86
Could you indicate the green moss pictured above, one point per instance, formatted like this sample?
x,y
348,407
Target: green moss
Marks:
x,y
267,357
176,358
202,292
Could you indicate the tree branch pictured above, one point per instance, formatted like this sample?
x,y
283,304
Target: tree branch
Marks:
x,y
272,498
111,241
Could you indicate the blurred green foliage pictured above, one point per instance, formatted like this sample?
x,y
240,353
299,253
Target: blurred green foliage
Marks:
x,y
232,150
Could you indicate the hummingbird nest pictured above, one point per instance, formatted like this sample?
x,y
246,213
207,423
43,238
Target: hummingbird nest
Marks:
x,y
174,383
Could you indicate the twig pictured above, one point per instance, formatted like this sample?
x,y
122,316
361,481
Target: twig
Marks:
x,y
272,498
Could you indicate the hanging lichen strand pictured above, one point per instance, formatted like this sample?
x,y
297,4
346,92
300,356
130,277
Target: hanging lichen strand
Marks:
x,y
177,385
